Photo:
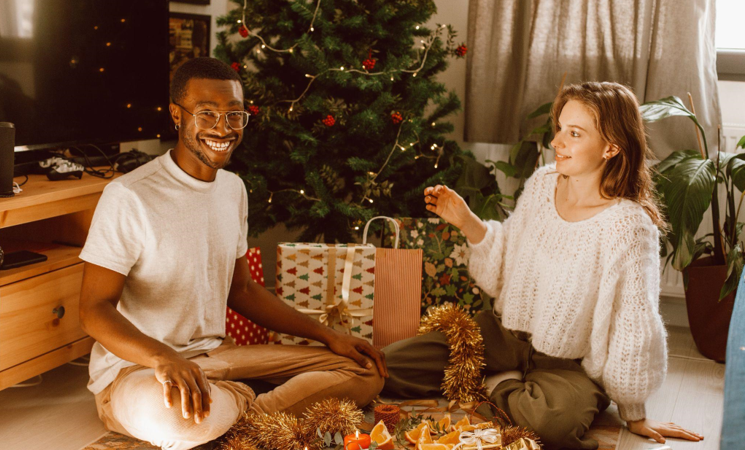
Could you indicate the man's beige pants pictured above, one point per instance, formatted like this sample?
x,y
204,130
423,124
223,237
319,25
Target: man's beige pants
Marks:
x,y
133,404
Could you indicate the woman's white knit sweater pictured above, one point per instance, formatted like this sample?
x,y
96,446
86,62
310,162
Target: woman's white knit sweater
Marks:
x,y
587,289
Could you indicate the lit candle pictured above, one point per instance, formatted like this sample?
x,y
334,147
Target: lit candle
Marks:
x,y
357,442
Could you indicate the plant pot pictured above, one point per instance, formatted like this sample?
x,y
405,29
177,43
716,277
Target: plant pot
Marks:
x,y
708,318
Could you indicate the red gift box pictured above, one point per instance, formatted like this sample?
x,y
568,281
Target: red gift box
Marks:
x,y
242,330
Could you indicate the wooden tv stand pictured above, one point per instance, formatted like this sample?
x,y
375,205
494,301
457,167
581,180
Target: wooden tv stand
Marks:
x,y
39,324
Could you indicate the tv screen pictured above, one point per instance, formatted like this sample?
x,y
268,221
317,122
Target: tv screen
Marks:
x,y
83,71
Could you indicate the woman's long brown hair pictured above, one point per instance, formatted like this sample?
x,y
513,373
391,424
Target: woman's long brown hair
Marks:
x,y
619,121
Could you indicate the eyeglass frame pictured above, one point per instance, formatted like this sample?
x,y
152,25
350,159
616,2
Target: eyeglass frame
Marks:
x,y
219,115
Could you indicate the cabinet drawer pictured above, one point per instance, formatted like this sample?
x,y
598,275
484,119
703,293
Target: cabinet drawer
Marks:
x,y
30,310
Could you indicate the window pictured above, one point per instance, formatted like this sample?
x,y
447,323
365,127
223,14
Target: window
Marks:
x,y
730,40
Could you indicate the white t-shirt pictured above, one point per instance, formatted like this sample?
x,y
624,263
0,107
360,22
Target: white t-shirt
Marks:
x,y
176,239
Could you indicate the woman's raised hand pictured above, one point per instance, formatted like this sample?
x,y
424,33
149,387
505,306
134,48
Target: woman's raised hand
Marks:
x,y
447,204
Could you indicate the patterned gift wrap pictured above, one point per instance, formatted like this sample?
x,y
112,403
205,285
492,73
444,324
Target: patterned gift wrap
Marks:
x,y
333,283
445,276
242,330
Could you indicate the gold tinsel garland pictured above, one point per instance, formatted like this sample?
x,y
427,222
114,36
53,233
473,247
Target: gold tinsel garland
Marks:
x,y
333,416
282,431
463,380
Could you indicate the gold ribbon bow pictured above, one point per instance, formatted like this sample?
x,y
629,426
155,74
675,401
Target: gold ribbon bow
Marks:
x,y
333,311
479,438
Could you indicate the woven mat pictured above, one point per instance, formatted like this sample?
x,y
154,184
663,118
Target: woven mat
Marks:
x,y
606,429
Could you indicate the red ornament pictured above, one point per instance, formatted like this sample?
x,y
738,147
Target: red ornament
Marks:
x,y
254,110
369,63
243,31
461,50
396,117
329,121
236,66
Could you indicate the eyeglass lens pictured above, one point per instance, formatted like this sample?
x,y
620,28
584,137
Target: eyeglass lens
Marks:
x,y
208,119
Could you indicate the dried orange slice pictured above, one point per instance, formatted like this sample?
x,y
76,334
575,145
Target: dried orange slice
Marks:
x,y
413,435
381,436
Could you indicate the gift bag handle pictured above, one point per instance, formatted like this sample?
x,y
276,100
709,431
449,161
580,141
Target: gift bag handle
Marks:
x,y
395,226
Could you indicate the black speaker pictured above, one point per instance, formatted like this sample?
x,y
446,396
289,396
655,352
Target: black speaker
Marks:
x,y
7,158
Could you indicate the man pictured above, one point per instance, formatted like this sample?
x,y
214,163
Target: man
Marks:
x,y
164,255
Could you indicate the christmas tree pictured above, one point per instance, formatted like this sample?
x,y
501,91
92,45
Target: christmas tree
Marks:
x,y
346,113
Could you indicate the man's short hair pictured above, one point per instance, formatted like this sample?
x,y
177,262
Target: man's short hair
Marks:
x,y
200,68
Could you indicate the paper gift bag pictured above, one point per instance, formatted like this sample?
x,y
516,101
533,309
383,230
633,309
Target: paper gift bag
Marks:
x,y
334,283
242,330
445,264
398,291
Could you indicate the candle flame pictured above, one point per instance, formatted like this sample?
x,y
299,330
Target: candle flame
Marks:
x,y
356,434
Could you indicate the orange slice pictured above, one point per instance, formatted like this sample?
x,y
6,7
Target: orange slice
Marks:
x,y
413,435
461,423
425,437
435,447
381,436
444,423
450,438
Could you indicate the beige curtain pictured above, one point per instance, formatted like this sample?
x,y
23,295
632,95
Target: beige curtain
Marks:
x,y
519,50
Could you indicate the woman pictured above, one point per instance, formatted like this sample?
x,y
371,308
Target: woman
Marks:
x,y
574,272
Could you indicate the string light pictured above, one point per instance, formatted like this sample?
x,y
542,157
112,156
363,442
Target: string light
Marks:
x,y
302,191
433,124
370,200
129,105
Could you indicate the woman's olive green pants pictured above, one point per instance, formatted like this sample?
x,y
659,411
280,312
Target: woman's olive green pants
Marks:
x,y
555,397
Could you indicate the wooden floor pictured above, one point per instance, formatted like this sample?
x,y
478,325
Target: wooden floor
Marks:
x,y
59,414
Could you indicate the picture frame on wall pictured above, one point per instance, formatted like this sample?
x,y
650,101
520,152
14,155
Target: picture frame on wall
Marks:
x,y
188,38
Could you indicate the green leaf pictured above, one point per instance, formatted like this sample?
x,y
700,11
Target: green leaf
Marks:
x,y
675,158
734,270
687,196
736,170
741,143
543,109
670,107
508,169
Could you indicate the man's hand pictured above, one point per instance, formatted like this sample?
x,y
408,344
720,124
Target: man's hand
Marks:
x,y
356,349
657,430
175,372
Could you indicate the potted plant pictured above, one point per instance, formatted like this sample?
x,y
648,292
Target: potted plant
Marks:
x,y
688,182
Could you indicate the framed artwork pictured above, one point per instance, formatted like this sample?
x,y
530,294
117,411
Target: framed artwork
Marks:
x,y
188,37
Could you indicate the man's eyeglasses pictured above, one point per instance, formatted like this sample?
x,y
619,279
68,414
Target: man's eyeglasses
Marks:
x,y
207,120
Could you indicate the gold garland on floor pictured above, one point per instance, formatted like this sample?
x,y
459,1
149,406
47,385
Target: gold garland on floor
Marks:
x,y
463,379
282,431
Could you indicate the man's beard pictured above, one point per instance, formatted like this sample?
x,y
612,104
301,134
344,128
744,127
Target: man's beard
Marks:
x,y
194,146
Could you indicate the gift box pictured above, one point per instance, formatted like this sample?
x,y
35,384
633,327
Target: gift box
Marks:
x,y
333,283
445,276
242,330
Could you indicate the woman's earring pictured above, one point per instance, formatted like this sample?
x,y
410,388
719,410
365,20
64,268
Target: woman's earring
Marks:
x,y
176,127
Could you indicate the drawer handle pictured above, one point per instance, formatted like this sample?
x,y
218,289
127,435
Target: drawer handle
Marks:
x,y
59,312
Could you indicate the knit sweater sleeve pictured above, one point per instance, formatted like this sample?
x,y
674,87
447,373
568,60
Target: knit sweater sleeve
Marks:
x,y
487,257
637,346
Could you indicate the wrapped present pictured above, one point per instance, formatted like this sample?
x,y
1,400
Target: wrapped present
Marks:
x,y
242,330
479,439
445,275
334,283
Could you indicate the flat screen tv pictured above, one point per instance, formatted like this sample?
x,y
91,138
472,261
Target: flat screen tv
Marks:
x,y
76,72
